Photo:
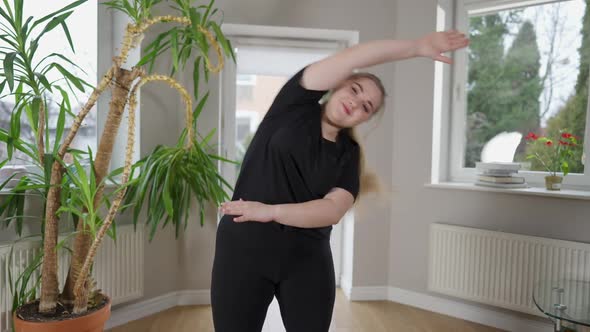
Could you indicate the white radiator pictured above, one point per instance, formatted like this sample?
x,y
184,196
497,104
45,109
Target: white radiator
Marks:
x,y
118,268
498,268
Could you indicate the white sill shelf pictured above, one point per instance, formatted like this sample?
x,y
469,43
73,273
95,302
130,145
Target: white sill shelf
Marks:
x,y
534,191
7,190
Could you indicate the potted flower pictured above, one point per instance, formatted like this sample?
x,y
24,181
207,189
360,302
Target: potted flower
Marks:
x,y
169,176
554,155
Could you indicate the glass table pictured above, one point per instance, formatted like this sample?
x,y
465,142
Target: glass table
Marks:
x,y
565,302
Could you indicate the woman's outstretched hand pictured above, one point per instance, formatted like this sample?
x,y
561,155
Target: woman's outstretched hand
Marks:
x,y
248,211
436,43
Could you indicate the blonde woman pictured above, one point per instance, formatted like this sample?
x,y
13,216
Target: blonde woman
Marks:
x,y
303,170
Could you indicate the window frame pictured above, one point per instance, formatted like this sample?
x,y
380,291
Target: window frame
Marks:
x,y
248,80
251,116
458,98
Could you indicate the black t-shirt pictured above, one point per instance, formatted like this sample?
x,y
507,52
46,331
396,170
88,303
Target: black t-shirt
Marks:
x,y
288,160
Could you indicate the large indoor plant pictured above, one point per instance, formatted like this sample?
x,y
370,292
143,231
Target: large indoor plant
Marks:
x,y
169,176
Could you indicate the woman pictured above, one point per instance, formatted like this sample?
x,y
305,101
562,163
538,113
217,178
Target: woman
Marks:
x,y
300,175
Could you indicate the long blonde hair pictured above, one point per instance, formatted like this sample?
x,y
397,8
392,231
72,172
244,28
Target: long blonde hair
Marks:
x,y
369,182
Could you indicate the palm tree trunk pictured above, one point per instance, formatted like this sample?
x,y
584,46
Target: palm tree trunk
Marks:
x,y
49,283
81,300
83,239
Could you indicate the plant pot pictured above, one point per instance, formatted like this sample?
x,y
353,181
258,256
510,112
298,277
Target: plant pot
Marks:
x,y
553,182
93,322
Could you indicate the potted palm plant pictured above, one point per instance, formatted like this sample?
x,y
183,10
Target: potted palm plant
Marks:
x,y
169,176
553,155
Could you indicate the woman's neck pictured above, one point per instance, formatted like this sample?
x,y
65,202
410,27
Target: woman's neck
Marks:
x,y
329,130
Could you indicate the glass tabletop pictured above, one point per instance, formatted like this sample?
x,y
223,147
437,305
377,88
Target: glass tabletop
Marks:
x,y
564,299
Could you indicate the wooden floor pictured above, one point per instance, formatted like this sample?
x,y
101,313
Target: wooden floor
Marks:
x,y
370,316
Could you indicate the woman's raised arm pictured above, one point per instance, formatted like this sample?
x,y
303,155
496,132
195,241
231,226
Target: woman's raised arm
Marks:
x,y
331,71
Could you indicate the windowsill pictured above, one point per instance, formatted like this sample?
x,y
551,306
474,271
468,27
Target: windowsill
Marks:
x,y
534,191
109,185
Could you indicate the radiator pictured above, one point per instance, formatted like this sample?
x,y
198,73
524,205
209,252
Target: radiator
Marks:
x,y
501,269
118,268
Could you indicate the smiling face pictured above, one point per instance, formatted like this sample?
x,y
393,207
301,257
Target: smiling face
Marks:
x,y
353,103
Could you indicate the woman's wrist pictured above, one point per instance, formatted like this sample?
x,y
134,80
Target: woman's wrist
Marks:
x,y
275,211
420,47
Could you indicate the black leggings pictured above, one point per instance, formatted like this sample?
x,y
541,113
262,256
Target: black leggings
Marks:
x,y
255,262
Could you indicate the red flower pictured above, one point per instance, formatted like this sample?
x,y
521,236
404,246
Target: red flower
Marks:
x,y
567,143
531,136
566,135
549,143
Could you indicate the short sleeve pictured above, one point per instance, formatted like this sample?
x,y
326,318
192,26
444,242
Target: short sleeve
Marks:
x,y
350,177
293,94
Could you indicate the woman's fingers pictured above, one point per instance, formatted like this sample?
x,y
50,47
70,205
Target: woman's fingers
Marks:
x,y
455,37
459,44
228,207
455,43
234,211
443,58
458,41
455,34
445,42
458,38
240,219
233,205
235,208
245,210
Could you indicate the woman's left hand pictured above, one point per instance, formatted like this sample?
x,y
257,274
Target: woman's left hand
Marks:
x,y
433,44
248,211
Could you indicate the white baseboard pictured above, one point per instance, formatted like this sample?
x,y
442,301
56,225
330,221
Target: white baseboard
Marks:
x,y
194,297
346,286
467,312
126,314
447,307
369,293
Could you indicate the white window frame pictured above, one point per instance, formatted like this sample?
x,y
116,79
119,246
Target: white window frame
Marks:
x,y
111,25
453,169
252,116
246,80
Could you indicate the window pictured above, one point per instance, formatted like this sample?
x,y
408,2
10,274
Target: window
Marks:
x,y
242,79
242,128
526,69
245,88
247,123
82,26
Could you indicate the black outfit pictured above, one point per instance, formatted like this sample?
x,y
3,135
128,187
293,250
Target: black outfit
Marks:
x,y
288,161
